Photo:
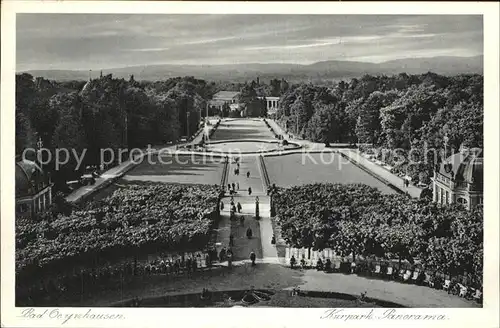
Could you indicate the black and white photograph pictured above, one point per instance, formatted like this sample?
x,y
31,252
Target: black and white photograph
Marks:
x,y
239,160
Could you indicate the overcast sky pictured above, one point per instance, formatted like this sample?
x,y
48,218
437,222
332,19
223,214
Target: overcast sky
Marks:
x,y
95,41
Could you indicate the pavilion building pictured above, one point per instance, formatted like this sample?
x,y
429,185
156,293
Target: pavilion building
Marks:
x,y
224,97
33,189
459,179
231,98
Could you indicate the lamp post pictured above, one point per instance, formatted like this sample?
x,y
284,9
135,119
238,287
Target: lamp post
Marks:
x,y
257,207
39,145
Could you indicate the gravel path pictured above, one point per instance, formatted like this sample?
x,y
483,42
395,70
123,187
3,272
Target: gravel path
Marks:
x,y
274,276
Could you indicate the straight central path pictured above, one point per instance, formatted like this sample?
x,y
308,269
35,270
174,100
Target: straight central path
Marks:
x,y
262,232
247,164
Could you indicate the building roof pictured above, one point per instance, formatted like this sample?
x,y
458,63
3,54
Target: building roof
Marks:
x,y
26,174
269,97
465,166
225,95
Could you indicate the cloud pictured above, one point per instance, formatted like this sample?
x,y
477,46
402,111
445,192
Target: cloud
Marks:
x,y
84,41
147,49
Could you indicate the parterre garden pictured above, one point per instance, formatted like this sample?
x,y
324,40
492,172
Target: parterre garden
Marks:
x,y
173,168
243,129
304,168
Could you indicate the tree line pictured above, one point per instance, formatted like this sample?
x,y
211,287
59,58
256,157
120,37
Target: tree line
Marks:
x,y
105,113
110,113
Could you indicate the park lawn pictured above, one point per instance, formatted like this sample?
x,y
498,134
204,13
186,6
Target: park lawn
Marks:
x,y
185,169
242,129
299,169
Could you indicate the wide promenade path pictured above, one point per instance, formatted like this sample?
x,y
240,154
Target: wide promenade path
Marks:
x,y
260,243
275,276
105,179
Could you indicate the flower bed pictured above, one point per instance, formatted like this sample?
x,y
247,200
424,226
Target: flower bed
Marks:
x,y
139,219
359,220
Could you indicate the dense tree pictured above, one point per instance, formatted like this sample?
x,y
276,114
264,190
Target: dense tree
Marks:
x,y
401,112
25,136
252,105
106,113
368,127
70,135
358,220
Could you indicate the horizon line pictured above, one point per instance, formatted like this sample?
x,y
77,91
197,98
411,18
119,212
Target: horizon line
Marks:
x,y
245,63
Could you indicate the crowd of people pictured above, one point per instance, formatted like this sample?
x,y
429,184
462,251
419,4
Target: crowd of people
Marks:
x,y
89,280
399,272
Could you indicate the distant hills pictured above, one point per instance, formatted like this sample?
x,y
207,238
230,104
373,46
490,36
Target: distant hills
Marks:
x,y
333,69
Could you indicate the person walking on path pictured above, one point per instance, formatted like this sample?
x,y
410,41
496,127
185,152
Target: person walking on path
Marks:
x,y
234,186
292,261
248,174
232,212
239,207
237,186
222,206
242,220
229,259
249,233
222,254
252,258
208,260
231,240
249,191
407,183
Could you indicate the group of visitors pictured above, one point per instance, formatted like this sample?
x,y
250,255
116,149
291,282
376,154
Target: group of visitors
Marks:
x,y
110,276
234,208
188,265
324,265
237,168
226,254
233,188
